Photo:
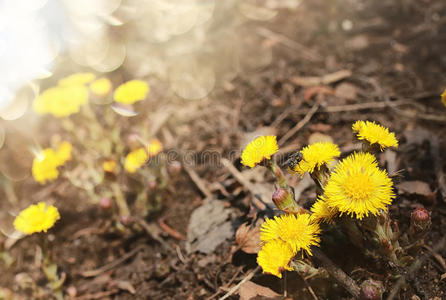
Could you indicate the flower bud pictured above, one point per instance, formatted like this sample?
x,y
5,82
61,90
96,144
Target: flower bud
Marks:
x,y
126,220
174,168
284,201
371,290
420,221
105,203
152,184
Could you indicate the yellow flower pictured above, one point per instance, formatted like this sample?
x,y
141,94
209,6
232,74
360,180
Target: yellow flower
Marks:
x,y
61,101
131,92
77,79
316,155
375,134
154,147
259,149
443,97
36,218
135,159
274,257
358,187
45,166
321,212
101,87
64,152
109,166
296,230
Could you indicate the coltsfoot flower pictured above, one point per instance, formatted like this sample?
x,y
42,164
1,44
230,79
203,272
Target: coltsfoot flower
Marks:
x,y
45,165
64,152
135,159
61,101
443,97
295,229
36,218
321,212
77,79
375,134
358,187
274,257
259,149
109,166
101,86
315,156
131,91
154,147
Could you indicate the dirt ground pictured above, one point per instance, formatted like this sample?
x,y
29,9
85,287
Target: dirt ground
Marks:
x,y
393,58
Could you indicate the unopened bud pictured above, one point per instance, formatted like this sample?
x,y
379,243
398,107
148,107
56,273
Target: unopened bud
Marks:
x,y
284,201
105,203
152,184
126,220
371,290
174,168
420,221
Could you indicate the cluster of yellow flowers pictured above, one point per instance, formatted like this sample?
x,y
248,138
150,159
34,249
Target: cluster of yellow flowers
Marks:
x,y
356,186
72,92
137,158
47,161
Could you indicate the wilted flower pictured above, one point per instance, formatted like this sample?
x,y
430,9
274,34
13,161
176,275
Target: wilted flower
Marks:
x,y
61,101
274,257
101,86
375,134
135,159
36,218
315,156
132,91
321,212
77,79
259,149
45,166
295,229
358,187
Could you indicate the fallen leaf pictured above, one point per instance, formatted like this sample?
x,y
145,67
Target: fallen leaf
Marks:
x,y
416,187
249,290
248,238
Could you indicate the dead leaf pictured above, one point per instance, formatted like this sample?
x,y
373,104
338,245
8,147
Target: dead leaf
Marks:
x,y
249,290
248,238
416,187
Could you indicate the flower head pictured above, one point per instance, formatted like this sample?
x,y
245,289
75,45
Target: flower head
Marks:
x,y
295,229
64,152
132,91
77,79
321,212
375,134
101,86
61,101
443,97
36,218
274,257
109,166
135,159
154,147
259,149
358,187
315,156
45,165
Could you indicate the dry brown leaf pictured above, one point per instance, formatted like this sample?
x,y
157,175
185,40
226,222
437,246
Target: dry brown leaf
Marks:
x,y
249,290
248,238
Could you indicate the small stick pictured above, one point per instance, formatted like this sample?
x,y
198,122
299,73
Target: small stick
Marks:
x,y
236,287
201,185
170,231
300,124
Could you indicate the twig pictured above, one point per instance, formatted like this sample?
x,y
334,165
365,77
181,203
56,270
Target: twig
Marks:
x,y
310,289
201,185
238,285
300,124
113,264
366,105
346,281
412,270
154,232
170,231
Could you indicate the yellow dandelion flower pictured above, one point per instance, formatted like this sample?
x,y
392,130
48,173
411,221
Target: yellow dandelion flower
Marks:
x,y
274,257
64,152
101,86
77,79
45,165
154,147
358,187
259,149
443,97
61,101
135,159
316,155
132,91
375,134
296,230
36,218
109,166
321,212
